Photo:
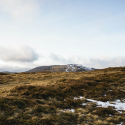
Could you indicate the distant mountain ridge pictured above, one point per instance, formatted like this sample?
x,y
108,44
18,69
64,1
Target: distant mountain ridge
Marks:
x,y
62,68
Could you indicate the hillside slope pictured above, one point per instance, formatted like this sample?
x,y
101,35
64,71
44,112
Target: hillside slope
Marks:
x,y
61,98
62,68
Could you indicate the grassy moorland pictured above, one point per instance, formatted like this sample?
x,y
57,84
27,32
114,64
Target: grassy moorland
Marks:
x,y
47,98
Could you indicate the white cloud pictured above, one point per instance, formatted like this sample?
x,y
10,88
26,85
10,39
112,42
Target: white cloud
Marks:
x,y
17,54
93,62
21,10
58,58
104,62
25,58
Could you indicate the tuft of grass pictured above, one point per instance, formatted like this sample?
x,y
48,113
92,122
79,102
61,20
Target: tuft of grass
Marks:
x,y
103,112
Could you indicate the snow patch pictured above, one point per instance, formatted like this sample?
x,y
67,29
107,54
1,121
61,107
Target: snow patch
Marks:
x,y
117,104
71,110
120,123
73,67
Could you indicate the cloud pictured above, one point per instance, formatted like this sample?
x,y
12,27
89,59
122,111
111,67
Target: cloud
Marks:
x,y
93,62
23,10
59,59
14,69
17,54
104,62
25,57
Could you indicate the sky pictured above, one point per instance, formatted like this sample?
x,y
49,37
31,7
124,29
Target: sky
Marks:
x,y
59,32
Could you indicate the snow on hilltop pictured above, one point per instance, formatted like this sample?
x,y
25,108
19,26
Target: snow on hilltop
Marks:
x,y
77,67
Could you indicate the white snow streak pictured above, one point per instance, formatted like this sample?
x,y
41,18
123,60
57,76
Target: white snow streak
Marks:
x,y
73,67
118,105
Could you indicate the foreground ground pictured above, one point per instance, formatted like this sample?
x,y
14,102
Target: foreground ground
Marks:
x,y
61,98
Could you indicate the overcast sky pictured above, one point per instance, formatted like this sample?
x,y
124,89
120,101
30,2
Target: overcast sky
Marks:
x,y
55,32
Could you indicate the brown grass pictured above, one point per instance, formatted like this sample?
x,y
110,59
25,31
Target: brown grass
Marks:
x,y
38,98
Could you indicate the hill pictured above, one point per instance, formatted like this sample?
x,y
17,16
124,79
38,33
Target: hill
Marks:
x,y
62,68
63,98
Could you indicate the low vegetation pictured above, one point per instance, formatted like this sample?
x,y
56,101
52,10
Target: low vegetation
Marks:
x,y
47,98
